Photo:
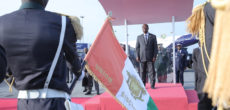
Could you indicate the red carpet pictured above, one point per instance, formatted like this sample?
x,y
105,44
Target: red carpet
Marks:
x,y
8,104
192,100
166,96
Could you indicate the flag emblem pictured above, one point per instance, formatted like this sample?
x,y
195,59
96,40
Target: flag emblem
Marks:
x,y
135,87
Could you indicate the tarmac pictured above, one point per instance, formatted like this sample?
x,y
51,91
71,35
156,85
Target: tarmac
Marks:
x,y
78,89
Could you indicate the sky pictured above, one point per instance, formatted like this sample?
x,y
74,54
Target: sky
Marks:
x,y
94,16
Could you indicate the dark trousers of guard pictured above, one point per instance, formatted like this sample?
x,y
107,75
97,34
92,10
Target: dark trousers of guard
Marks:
x,y
147,68
41,104
88,84
180,77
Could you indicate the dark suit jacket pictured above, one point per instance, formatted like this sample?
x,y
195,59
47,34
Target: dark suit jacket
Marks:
x,y
2,64
30,38
195,55
181,60
200,76
146,52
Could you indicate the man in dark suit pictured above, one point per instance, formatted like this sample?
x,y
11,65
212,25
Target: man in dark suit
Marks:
x,y
181,57
2,64
195,55
199,76
30,38
146,50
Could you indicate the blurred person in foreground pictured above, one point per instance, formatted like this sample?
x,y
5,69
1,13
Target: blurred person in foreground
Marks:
x,y
201,24
30,37
3,64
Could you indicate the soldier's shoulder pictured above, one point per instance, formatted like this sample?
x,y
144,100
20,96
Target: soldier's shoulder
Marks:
x,y
75,21
9,15
54,14
185,51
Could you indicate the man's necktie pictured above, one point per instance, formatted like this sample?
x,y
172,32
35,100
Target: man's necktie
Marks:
x,y
146,38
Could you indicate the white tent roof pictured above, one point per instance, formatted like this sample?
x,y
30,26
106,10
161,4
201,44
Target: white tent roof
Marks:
x,y
147,11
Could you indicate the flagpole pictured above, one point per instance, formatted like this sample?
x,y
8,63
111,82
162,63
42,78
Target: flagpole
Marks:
x,y
127,38
174,61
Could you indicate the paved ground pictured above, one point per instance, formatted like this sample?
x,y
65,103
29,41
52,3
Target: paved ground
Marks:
x,y
4,90
189,79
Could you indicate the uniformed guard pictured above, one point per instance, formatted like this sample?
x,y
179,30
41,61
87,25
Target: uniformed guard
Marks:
x,y
181,56
31,39
161,64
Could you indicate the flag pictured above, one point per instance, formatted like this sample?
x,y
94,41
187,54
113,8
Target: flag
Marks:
x,y
108,64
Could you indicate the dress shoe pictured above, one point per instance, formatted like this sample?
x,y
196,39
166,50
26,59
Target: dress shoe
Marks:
x,y
152,87
88,93
84,90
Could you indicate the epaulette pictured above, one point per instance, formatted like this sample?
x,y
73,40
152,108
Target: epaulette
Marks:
x,y
76,25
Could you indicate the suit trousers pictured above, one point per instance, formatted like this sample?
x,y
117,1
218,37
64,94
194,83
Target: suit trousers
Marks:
x,y
147,68
180,76
41,104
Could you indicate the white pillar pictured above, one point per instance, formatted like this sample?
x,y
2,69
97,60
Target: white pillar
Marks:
x,y
174,56
127,39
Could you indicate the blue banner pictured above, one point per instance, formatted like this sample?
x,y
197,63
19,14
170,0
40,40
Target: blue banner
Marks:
x,y
80,49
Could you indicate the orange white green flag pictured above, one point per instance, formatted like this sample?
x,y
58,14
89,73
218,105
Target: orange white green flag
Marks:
x,y
108,64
